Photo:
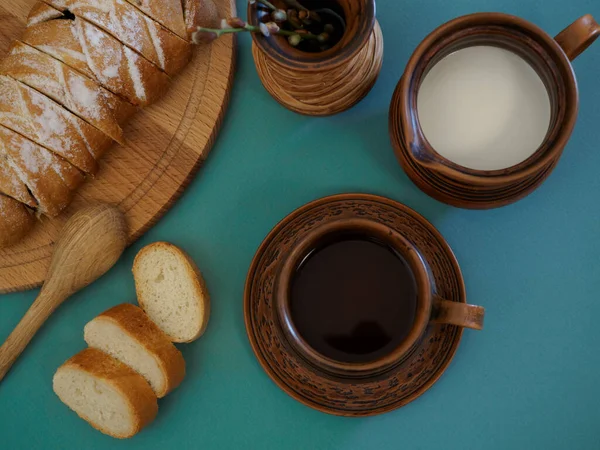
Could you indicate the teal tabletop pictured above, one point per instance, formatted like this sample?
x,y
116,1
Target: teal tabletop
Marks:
x,y
529,380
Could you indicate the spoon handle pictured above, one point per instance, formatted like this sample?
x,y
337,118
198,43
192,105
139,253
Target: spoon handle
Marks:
x,y
34,318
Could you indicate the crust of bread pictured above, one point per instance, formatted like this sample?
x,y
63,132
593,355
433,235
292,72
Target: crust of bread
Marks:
x,y
168,13
81,133
134,29
136,323
122,378
15,221
11,184
50,178
53,78
90,50
35,116
192,271
41,12
200,13
202,289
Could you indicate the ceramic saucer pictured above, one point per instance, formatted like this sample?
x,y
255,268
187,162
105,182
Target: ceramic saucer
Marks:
x,y
389,390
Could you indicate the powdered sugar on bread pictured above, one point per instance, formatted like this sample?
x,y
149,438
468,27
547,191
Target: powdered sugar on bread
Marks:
x,y
134,29
45,122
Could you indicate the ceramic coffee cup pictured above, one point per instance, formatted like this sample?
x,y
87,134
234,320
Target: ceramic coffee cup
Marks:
x,y
549,57
429,307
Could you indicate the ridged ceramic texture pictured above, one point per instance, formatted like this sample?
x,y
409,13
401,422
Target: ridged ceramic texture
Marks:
x,y
322,83
327,91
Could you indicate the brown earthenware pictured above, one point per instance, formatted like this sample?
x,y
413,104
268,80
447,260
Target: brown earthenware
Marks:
x,y
322,83
430,308
480,189
353,389
471,197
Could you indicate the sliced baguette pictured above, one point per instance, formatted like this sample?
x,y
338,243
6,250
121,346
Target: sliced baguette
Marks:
x,y
171,290
71,89
90,50
48,124
126,333
134,29
110,396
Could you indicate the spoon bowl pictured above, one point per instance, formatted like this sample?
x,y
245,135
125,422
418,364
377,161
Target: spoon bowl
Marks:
x,y
91,242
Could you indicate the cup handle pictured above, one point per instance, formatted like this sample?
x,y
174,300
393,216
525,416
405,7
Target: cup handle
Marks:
x,y
455,313
578,36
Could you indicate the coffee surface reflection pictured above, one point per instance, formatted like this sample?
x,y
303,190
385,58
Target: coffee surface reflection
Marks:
x,y
353,299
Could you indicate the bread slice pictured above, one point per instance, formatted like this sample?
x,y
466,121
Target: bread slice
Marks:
x,y
15,221
171,290
126,333
110,396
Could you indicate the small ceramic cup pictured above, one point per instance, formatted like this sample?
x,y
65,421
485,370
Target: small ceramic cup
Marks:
x,y
327,82
550,58
429,307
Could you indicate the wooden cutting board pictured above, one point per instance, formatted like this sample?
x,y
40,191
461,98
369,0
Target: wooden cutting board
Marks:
x,y
167,144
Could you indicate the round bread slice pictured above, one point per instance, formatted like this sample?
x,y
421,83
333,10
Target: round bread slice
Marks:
x,y
126,333
171,290
15,221
110,396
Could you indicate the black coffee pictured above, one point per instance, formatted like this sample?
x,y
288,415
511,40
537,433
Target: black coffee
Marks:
x,y
353,300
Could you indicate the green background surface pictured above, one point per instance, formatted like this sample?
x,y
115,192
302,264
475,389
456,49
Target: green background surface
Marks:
x,y
528,381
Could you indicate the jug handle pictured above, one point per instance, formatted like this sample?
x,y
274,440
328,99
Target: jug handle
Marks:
x,y
578,36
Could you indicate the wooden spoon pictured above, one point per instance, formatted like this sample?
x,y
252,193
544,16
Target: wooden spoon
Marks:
x,y
90,244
